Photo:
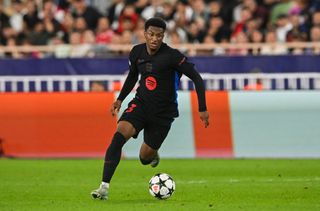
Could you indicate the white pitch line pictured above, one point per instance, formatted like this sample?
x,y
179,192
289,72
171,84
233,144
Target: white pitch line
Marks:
x,y
275,180
196,181
280,179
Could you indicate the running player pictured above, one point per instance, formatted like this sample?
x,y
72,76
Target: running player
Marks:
x,y
154,106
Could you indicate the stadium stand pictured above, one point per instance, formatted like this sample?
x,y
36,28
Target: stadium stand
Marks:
x,y
214,33
209,27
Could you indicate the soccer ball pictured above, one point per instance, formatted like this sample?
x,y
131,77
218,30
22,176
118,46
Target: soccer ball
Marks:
x,y
161,186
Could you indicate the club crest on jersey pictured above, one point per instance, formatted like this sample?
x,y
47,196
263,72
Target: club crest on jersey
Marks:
x,y
151,83
148,67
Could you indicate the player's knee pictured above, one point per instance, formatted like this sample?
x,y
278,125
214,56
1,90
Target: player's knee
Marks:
x,y
126,129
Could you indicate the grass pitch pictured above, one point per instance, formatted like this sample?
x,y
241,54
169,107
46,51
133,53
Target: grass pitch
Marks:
x,y
211,184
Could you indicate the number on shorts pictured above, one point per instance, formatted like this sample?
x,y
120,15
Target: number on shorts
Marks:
x,y
130,109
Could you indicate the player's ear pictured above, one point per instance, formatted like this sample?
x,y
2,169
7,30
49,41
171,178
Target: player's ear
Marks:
x,y
145,34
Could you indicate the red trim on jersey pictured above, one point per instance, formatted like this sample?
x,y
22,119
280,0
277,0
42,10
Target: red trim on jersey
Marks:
x,y
183,60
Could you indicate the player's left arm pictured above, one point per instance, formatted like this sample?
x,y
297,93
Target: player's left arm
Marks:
x,y
188,69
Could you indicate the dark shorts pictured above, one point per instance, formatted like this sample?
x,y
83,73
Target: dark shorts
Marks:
x,y
155,129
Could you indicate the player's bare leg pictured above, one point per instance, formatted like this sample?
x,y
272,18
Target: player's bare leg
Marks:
x,y
125,131
149,155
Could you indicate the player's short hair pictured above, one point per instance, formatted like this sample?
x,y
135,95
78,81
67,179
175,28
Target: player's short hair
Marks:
x,y
157,22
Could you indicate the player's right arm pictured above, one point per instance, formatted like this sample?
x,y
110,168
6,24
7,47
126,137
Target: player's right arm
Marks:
x,y
128,85
181,64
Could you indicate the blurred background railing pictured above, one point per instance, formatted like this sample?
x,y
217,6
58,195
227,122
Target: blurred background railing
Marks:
x,y
60,71
76,83
111,50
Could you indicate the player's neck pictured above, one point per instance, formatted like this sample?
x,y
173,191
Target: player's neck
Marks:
x,y
152,52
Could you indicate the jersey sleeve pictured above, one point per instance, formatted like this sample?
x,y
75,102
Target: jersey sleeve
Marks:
x,y
177,58
183,66
132,76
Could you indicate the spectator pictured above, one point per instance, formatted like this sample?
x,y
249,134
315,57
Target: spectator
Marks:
x,y
39,36
283,26
114,12
184,14
12,42
314,6
154,8
90,14
217,29
298,31
239,38
257,86
16,19
126,37
315,34
200,10
173,38
167,12
216,51
259,12
52,26
62,50
97,86
281,8
190,21
104,33
51,9
254,83
138,36
76,50
4,18
316,18
239,26
256,37
7,33
31,17
80,24
140,5
273,47
194,33
314,37
128,19
101,5
67,27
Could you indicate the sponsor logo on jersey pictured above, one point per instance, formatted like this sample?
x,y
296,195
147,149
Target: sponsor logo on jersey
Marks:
x,y
151,83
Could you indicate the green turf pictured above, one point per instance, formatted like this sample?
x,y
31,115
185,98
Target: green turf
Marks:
x,y
200,185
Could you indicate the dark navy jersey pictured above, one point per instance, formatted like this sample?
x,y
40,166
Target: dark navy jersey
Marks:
x,y
159,79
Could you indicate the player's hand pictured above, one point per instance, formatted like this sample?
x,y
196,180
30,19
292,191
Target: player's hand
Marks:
x,y
115,107
204,116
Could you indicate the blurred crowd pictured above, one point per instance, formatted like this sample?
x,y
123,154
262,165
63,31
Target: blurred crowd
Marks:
x,y
86,23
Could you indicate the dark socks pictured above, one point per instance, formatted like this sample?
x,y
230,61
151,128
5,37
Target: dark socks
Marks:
x,y
112,157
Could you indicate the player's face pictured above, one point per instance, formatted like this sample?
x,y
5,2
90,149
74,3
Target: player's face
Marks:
x,y
154,36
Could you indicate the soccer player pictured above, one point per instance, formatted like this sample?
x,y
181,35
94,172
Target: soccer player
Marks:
x,y
154,106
